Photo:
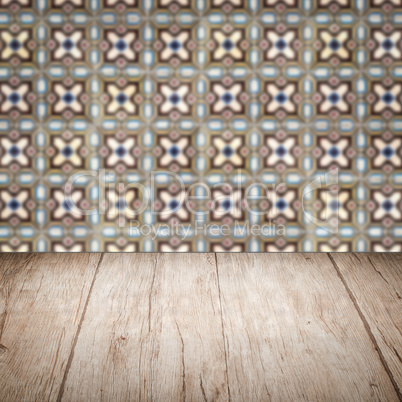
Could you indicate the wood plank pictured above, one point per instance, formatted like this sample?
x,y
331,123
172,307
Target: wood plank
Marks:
x,y
152,331
293,333
375,282
42,298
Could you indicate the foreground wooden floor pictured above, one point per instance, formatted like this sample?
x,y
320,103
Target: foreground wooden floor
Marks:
x,y
170,327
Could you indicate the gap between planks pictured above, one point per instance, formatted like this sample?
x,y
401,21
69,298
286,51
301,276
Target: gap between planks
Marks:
x,y
71,356
367,325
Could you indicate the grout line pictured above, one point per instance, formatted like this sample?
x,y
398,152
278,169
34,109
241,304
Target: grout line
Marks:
x,y
70,358
367,328
223,329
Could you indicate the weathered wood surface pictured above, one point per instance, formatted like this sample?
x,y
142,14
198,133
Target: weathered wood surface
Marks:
x,y
42,297
152,331
293,333
84,327
375,283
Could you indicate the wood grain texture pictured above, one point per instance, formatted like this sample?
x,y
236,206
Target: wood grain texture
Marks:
x,y
42,297
152,331
293,333
375,283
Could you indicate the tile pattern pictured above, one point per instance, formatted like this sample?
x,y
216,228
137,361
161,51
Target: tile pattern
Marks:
x,y
275,92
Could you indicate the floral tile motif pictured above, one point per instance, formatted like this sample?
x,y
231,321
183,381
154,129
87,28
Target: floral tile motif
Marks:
x,y
201,125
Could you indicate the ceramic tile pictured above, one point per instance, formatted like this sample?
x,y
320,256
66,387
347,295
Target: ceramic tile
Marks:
x,y
208,125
